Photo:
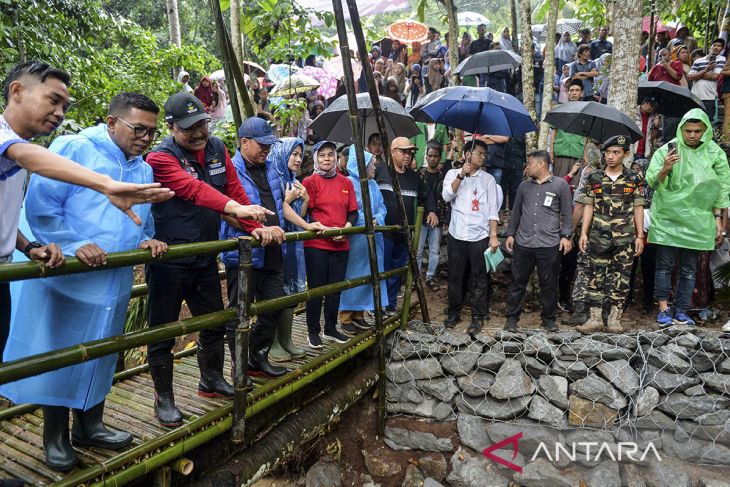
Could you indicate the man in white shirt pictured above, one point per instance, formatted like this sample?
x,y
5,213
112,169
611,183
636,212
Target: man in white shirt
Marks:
x,y
704,73
474,198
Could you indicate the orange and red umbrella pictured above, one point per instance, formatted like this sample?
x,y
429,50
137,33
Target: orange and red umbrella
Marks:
x,y
408,31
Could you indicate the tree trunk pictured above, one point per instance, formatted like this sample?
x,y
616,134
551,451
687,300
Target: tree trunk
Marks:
x,y
513,16
236,42
549,66
623,74
725,24
528,78
173,20
453,39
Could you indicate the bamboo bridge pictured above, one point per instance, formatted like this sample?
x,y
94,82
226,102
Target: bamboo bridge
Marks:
x,y
157,452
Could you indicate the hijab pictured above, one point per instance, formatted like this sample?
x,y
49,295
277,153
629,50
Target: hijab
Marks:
x,y
400,78
465,45
565,51
205,94
279,158
434,76
315,149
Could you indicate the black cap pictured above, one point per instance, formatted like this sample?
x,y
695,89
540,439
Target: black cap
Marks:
x,y
184,110
617,140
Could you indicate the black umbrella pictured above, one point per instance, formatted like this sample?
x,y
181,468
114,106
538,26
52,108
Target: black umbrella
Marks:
x,y
593,120
672,100
488,62
333,124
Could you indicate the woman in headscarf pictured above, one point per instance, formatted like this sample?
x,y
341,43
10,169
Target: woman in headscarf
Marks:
x,y
183,78
391,90
354,302
681,53
332,203
563,84
602,84
435,78
565,51
375,54
219,111
414,89
505,41
465,46
400,77
379,66
204,93
399,52
415,56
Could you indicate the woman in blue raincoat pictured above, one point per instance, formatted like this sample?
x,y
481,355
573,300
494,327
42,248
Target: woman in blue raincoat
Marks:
x,y
353,302
287,159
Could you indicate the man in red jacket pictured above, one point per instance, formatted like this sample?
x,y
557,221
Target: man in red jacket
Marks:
x,y
198,168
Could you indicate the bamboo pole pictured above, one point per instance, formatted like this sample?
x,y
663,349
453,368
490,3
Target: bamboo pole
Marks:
x,y
215,422
375,101
405,312
243,328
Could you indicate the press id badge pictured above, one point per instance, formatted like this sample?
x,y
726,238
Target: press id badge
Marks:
x,y
548,199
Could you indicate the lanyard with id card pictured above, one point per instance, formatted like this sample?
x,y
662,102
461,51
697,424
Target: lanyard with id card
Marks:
x,y
475,202
548,198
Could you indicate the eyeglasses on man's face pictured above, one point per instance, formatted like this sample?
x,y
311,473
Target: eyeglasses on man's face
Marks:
x,y
140,131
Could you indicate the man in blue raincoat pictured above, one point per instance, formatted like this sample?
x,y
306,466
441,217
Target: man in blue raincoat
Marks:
x,y
63,311
353,302
691,183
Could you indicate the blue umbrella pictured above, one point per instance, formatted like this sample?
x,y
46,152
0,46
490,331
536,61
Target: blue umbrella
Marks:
x,y
475,110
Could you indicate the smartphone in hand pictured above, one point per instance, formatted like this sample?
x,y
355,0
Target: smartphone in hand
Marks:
x,y
672,147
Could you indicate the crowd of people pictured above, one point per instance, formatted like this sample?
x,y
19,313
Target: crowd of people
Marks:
x,y
585,214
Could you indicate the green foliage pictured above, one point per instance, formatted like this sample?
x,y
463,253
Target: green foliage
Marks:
x,y
290,112
136,320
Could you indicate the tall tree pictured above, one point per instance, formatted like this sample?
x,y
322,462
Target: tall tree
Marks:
x,y
236,42
528,77
549,65
453,38
173,19
624,72
513,27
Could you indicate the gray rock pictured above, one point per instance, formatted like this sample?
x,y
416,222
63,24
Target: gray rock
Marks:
x,y
687,340
461,361
380,463
429,482
433,465
716,345
717,434
540,346
620,374
667,382
541,473
403,392
511,381
429,408
414,370
631,476
534,366
405,350
655,420
697,390
504,336
562,337
724,366
661,474
707,482
625,341
454,339
717,382
685,407
715,418
418,336
642,438
477,383
511,347
324,474
702,361
555,389
472,431
413,478
605,474
492,408
442,388
416,440
596,389
533,435
668,359
696,451
571,370
468,470
645,401
653,338
541,410
586,347
491,360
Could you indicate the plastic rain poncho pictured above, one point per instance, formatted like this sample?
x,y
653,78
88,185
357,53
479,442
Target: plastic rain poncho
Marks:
x,y
295,274
358,263
62,311
681,209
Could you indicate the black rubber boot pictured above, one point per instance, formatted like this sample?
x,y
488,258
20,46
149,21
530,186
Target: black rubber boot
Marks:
x,y
165,410
231,341
258,365
212,383
60,455
580,315
89,430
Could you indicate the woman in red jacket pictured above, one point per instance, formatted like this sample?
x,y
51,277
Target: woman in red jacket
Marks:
x,y
332,202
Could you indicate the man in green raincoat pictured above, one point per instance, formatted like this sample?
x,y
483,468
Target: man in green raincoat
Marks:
x,y
691,183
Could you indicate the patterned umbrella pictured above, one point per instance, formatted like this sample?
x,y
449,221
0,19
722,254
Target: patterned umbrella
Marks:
x,y
471,18
279,72
335,67
327,82
296,83
408,31
251,67
570,26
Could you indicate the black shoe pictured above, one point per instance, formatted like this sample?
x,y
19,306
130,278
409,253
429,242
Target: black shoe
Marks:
x,y
475,326
349,328
452,320
580,315
361,324
259,365
212,383
89,430
550,325
333,335
166,412
649,308
510,325
60,455
315,341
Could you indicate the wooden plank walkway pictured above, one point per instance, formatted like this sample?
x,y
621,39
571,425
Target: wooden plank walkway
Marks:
x,y
129,407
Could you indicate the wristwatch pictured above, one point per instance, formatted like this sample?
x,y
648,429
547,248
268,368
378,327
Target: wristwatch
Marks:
x,y
31,246
569,236
460,177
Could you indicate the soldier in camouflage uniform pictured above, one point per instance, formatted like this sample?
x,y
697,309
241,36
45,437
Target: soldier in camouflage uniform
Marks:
x,y
614,215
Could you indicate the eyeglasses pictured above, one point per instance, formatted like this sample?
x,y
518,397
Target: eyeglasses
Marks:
x,y
140,131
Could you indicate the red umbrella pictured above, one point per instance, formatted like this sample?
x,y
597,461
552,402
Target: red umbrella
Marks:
x,y
408,31
659,27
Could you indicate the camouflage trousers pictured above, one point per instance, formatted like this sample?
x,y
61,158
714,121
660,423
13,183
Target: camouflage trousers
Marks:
x,y
580,284
607,275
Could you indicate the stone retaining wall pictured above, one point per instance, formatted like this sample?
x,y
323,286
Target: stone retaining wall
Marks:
x,y
664,393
